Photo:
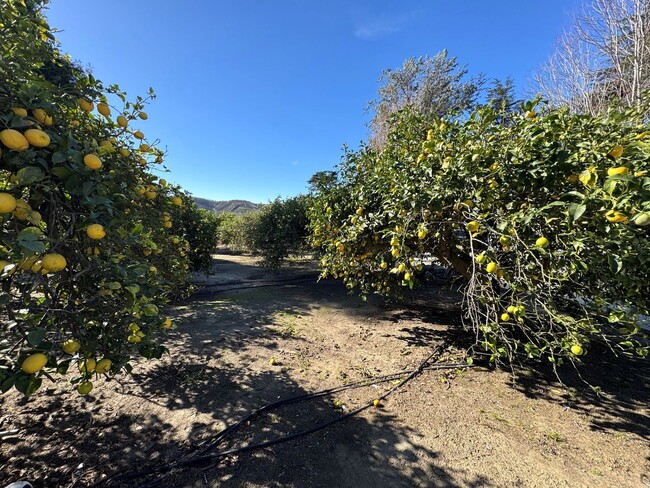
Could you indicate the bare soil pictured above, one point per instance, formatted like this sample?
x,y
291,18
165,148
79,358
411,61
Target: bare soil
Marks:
x,y
454,428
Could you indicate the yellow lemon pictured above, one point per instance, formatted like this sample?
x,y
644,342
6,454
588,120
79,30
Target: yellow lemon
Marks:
x,y
85,388
512,309
167,323
615,216
27,263
92,161
34,363
54,262
42,117
163,182
95,231
122,121
422,234
86,104
34,217
177,201
103,366
151,195
616,152
167,224
138,134
7,203
620,170
20,112
124,152
541,242
577,350
71,346
103,109
14,140
376,403
87,365
473,226
143,115
491,267
383,265
505,317
134,338
37,138
407,276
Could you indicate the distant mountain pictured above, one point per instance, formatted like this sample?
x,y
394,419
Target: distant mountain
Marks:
x,y
236,206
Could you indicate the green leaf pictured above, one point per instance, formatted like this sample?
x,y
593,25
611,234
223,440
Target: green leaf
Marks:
x,y
35,336
27,384
59,157
7,383
576,211
30,239
30,174
615,263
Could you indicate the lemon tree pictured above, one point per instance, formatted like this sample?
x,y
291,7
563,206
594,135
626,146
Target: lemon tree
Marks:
x,y
545,220
91,248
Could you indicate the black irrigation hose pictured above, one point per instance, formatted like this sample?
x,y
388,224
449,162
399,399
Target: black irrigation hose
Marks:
x,y
203,457
243,285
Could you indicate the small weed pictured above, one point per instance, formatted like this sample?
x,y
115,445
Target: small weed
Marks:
x,y
596,472
555,436
498,417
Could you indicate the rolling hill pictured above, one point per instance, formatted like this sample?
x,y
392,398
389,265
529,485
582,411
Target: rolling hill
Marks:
x,y
221,206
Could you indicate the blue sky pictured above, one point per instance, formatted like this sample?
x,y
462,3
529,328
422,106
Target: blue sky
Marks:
x,y
256,96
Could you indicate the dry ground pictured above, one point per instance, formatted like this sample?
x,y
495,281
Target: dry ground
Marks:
x,y
464,428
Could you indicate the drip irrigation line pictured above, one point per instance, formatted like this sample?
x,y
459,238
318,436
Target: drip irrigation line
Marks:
x,y
270,283
205,454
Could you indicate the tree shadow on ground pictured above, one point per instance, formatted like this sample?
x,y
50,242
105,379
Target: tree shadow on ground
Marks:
x,y
72,440
375,449
180,402
612,390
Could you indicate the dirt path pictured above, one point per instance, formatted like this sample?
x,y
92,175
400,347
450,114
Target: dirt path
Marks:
x,y
469,428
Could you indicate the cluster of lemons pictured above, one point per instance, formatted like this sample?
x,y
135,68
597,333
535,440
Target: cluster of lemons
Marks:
x,y
34,136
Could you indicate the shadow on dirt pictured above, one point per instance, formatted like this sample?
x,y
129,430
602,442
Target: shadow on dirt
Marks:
x,y
619,400
358,452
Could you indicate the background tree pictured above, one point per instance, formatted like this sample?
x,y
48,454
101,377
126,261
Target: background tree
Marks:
x,y
603,58
432,86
